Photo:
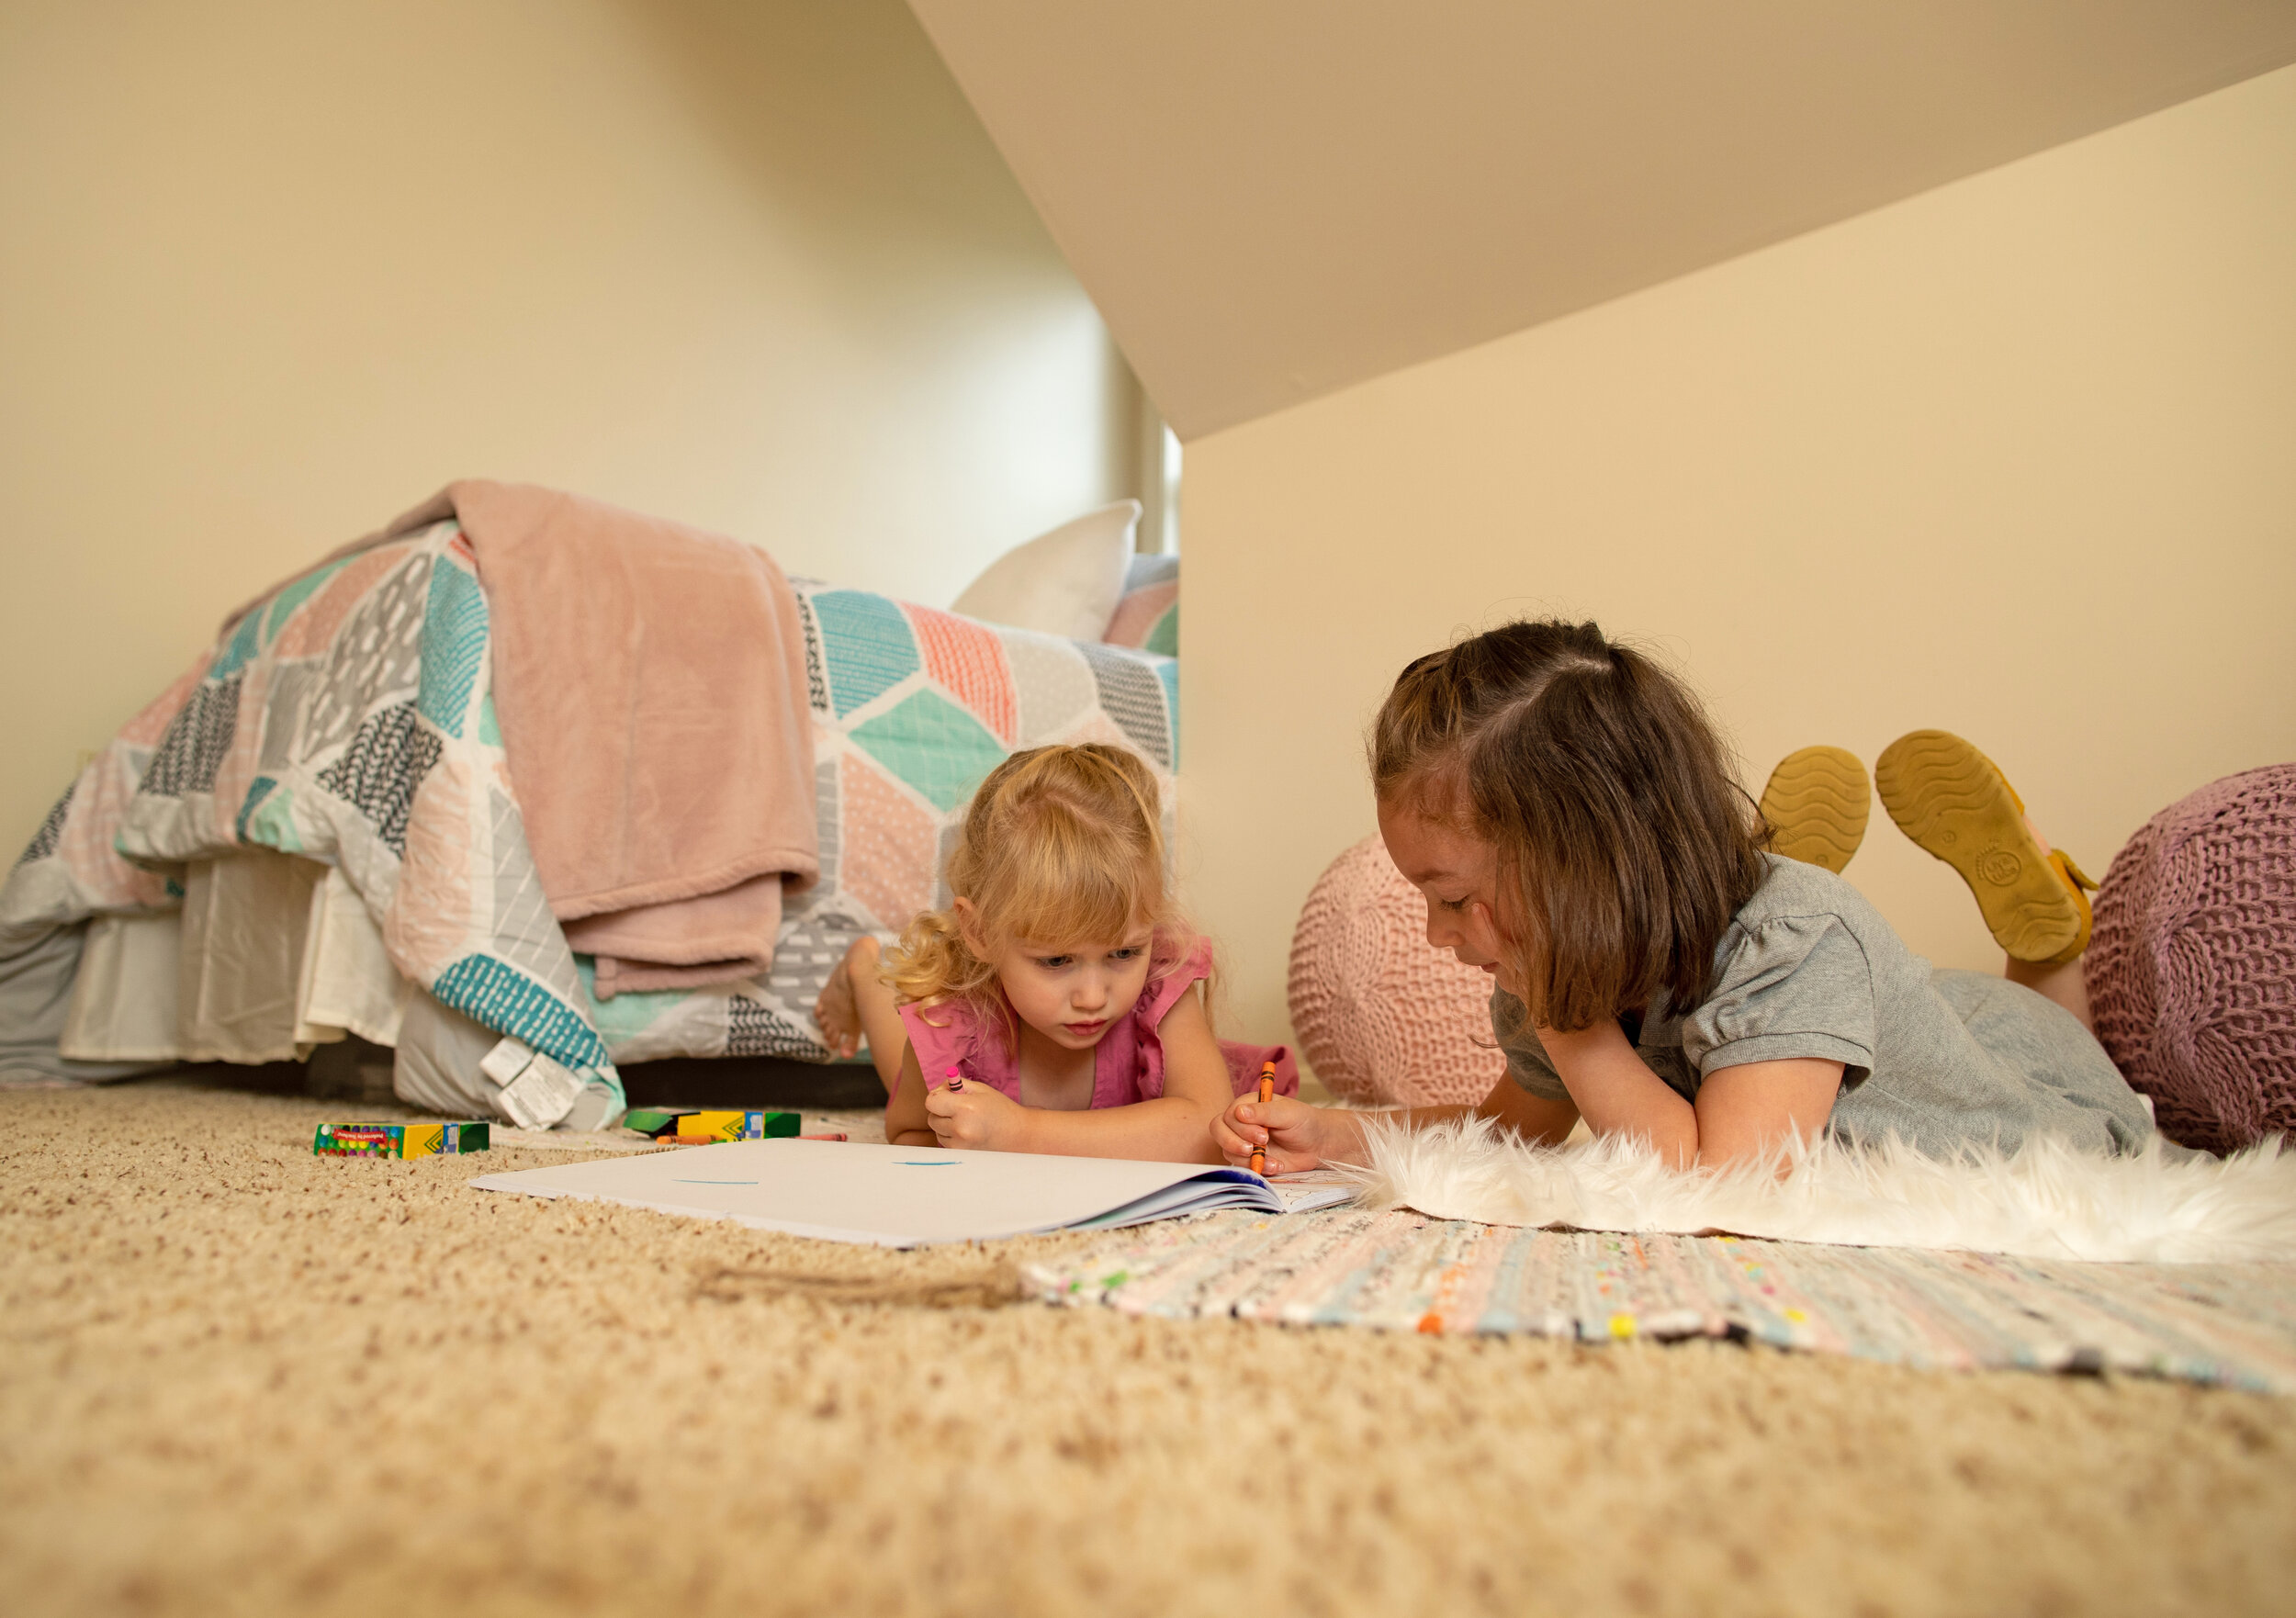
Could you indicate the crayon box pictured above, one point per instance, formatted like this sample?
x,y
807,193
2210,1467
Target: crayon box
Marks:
x,y
688,1123
397,1139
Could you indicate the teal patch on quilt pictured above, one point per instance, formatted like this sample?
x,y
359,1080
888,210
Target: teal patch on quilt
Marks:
x,y
256,789
625,1016
273,823
502,998
867,643
454,640
1164,638
933,745
283,605
241,649
1170,673
490,733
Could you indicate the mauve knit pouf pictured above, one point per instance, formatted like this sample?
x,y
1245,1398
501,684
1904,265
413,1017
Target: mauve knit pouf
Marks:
x,y
2192,970
1384,1016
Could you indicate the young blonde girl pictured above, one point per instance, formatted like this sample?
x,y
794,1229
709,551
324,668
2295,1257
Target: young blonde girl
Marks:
x,y
1057,1005
1571,817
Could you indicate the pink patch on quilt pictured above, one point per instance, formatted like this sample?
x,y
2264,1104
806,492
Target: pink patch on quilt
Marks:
x,y
433,916
312,629
98,802
888,843
1137,613
968,662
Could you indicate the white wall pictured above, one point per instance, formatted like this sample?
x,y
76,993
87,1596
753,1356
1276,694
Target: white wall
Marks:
x,y
270,271
2016,457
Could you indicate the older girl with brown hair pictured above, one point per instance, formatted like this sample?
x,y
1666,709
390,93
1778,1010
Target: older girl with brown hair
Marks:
x,y
1571,817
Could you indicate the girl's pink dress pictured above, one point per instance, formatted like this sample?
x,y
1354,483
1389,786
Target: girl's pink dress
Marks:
x,y
1128,1063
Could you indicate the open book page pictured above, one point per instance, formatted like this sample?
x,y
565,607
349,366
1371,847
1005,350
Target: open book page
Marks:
x,y
1304,1193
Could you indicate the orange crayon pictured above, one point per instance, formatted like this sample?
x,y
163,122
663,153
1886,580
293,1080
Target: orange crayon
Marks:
x,y
1267,1094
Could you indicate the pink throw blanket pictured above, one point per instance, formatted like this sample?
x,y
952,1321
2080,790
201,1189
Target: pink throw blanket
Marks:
x,y
649,680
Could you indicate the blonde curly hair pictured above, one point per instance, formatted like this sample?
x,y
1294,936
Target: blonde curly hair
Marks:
x,y
1060,844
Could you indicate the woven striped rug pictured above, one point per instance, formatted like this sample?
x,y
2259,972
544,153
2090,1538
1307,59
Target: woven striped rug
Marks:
x,y
2228,1324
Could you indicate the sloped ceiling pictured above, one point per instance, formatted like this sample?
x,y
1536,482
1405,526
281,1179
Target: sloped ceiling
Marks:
x,y
1269,200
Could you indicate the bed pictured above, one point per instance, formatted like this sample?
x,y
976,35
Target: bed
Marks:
x,y
311,836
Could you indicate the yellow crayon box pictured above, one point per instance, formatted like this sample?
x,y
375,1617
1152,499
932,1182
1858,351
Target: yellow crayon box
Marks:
x,y
696,1123
753,1124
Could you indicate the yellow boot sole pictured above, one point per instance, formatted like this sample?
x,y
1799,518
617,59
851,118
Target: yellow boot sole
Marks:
x,y
1817,805
1955,804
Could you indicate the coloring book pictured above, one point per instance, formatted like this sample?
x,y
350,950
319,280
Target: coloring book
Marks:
x,y
911,1196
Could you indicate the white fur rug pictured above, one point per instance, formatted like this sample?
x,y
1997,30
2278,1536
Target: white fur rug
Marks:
x,y
2045,1201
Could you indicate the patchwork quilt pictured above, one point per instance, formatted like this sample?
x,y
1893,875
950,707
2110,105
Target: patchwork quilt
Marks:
x,y
911,707
348,719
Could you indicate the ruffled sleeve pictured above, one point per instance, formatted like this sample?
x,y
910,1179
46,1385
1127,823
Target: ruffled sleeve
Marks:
x,y
948,1034
1792,986
1527,1058
1133,1069
1164,993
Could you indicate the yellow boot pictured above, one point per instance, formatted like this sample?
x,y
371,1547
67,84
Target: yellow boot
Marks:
x,y
1817,805
1954,803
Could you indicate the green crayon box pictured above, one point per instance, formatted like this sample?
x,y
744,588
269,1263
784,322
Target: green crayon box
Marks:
x,y
397,1139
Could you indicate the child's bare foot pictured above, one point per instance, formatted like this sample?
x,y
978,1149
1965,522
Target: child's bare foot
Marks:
x,y
837,1012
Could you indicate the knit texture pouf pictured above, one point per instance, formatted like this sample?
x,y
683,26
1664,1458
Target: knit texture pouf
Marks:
x,y
1384,1016
2191,970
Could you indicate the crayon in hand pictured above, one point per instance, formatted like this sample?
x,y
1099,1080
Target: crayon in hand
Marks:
x,y
1267,1094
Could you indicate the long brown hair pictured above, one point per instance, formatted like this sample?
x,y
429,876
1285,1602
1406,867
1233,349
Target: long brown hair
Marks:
x,y
1624,845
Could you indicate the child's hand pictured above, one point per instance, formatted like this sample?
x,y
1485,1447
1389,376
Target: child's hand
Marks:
x,y
978,1117
1294,1133
837,1013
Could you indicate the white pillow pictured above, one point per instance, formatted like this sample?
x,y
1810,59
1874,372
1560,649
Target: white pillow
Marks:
x,y
1066,583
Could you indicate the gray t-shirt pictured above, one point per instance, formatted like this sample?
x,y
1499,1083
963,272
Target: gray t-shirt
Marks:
x,y
1943,1058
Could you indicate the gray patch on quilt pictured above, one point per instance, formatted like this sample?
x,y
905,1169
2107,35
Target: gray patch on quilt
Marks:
x,y
526,932
825,817
1050,679
804,957
1157,568
292,684
377,657
1133,697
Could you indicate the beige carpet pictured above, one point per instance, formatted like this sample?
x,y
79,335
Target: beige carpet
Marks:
x,y
234,1377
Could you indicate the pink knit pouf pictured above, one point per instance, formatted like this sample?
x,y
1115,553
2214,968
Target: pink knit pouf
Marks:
x,y
1384,1016
2192,970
